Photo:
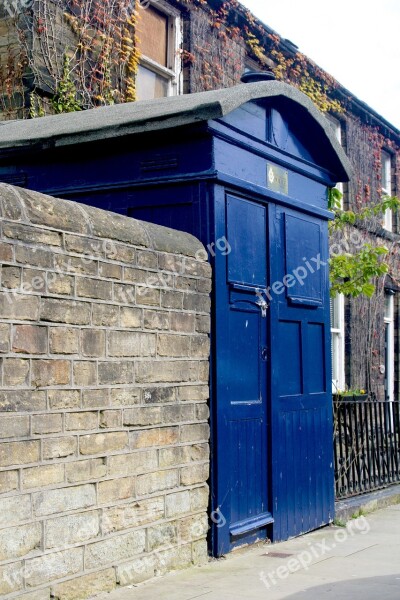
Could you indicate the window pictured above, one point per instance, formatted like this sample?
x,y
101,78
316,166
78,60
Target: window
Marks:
x,y
254,66
389,346
337,303
337,129
387,188
336,126
337,332
159,40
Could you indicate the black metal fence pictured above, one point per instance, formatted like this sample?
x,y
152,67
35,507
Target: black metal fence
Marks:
x,y
366,445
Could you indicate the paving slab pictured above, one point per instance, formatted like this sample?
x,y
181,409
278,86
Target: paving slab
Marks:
x,y
358,562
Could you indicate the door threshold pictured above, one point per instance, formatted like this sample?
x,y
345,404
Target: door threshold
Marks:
x,y
251,524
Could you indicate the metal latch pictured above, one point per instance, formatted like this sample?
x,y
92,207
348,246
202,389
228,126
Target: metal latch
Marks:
x,y
261,302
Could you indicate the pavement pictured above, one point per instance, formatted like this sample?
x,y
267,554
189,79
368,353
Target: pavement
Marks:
x,y
359,561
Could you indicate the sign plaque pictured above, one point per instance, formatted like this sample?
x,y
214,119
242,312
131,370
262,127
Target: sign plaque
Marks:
x,y
277,179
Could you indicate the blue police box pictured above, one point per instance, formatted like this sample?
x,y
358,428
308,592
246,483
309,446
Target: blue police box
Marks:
x,y
246,170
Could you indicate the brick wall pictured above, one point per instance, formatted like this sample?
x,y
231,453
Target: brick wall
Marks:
x,y
219,57
13,85
104,455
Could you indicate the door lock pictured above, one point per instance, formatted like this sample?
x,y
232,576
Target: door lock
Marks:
x,y
264,354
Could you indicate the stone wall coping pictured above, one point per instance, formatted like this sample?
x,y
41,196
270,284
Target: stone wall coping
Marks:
x,y
34,208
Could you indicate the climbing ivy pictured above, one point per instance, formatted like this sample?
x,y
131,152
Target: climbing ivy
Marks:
x,y
65,99
79,54
355,273
104,55
36,107
300,71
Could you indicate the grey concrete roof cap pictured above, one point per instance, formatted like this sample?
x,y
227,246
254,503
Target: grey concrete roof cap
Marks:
x,y
154,115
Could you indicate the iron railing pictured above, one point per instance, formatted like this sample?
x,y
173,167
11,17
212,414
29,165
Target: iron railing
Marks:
x,y
366,445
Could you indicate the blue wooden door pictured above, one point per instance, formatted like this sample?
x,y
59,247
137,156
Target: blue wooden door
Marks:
x,y
272,417
301,402
242,364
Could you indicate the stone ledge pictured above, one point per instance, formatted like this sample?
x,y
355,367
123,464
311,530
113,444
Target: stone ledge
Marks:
x,y
366,503
34,208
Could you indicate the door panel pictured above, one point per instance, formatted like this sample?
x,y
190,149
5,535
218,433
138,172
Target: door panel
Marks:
x,y
290,359
246,394
303,260
246,231
314,371
248,470
242,377
301,405
246,338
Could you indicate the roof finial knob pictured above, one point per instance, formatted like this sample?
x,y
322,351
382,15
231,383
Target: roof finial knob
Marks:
x,y
255,76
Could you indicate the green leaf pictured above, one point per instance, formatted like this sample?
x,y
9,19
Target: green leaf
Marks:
x,y
65,99
334,199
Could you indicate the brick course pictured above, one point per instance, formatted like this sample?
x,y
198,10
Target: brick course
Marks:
x,y
103,406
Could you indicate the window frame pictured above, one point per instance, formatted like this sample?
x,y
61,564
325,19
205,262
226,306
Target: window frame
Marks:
x,y
338,343
389,324
173,72
336,126
338,355
386,186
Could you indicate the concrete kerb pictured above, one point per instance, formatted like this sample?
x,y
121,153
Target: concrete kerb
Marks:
x,y
367,503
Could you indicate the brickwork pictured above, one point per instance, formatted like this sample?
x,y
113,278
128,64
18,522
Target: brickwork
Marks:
x,y
104,454
13,85
219,57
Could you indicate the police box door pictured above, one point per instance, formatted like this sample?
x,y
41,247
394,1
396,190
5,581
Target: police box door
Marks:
x,y
240,467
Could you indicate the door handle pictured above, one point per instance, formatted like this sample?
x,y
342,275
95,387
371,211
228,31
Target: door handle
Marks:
x,y
261,302
264,354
